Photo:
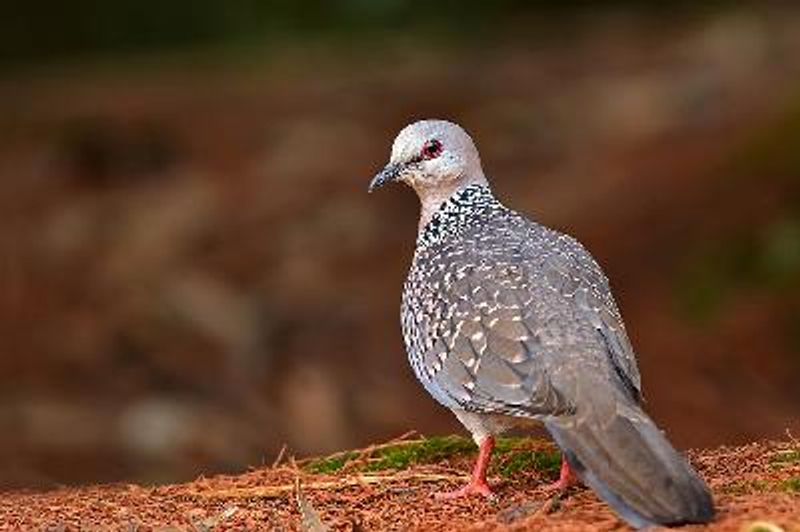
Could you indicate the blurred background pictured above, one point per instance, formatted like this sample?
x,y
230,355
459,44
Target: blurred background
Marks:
x,y
192,273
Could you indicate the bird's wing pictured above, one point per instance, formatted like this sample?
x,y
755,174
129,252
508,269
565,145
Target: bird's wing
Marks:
x,y
576,276
520,333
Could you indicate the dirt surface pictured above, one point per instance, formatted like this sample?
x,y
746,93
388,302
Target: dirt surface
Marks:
x,y
752,483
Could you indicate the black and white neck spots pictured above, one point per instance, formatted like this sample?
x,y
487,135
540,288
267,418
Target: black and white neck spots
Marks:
x,y
456,213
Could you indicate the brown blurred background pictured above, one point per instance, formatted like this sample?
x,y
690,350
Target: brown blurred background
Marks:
x,y
192,273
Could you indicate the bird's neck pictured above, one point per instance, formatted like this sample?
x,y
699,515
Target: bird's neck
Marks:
x,y
433,198
454,213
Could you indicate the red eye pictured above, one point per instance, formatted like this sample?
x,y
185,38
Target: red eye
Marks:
x,y
431,149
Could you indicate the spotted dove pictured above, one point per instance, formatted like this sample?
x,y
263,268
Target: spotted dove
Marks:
x,y
507,322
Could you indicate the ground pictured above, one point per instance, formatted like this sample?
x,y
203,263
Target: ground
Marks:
x,y
390,487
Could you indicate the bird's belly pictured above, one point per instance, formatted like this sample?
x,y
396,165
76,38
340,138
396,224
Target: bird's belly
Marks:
x,y
483,425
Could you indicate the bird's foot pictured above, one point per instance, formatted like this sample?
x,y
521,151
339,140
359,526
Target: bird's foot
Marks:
x,y
561,485
566,478
473,488
477,485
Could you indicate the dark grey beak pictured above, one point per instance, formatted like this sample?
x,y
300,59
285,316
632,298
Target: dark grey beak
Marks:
x,y
387,175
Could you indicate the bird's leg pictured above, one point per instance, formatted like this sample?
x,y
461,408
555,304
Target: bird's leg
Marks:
x,y
477,485
566,477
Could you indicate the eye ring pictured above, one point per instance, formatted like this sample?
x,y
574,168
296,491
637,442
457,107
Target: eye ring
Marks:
x,y
431,149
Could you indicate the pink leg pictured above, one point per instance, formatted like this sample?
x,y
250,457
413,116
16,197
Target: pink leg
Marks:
x,y
478,484
566,478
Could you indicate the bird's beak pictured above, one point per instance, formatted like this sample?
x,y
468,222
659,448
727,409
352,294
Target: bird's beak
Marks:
x,y
391,172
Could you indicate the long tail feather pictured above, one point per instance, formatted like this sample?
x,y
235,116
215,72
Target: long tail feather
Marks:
x,y
629,463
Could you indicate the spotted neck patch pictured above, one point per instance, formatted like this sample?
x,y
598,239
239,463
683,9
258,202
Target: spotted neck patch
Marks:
x,y
456,213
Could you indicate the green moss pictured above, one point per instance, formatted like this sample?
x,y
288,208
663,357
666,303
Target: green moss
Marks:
x,y
761,526
513,462
511,456
330,464
397,456
425,451
744,487
506,445
785,457
791,485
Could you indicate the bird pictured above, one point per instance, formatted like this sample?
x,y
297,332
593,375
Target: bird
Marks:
x,y
507,322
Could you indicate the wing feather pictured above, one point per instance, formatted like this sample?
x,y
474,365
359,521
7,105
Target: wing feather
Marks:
x,y
522,332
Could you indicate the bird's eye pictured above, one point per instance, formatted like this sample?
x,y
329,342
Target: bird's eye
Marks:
x,y
431,149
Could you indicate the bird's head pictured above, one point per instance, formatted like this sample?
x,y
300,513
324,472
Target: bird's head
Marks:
x,y
434,157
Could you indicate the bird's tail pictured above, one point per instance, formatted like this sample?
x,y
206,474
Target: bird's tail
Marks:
x,y
629,463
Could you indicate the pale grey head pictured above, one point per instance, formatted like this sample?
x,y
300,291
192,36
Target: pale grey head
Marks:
x,y
434,157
